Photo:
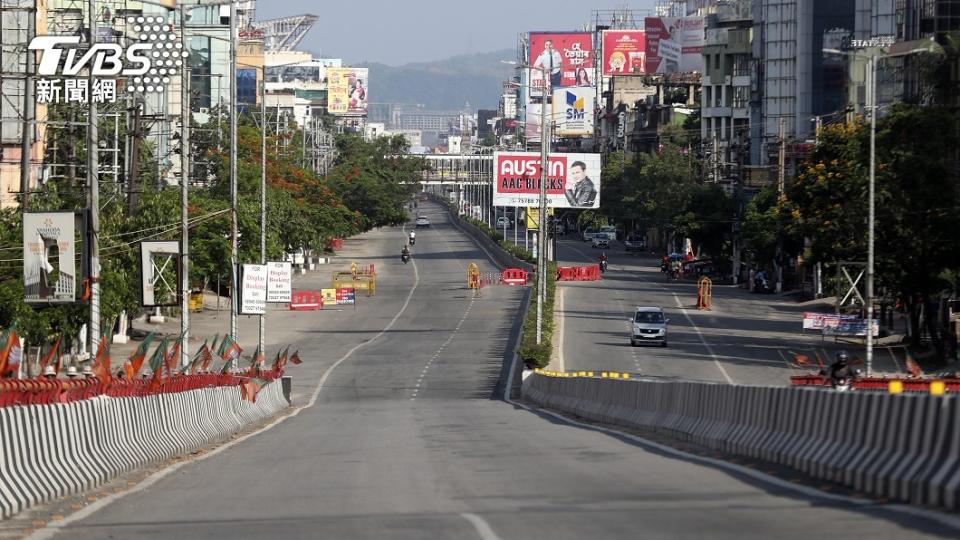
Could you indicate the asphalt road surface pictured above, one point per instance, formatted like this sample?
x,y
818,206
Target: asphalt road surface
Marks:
x,y
408,437
744,339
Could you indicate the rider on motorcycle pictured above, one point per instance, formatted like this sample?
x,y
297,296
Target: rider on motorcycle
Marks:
x,y
405,253
413,237
603,262
840,371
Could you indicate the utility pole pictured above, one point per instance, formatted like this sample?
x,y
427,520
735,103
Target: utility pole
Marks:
x,y
234,243
781,185
542,235
872,94
93,184
263,200
184,199
29,114
133,193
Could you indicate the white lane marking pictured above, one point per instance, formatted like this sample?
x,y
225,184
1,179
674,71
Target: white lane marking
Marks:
x,y
483,528
560,330
713,355
55,527
633,350
436,355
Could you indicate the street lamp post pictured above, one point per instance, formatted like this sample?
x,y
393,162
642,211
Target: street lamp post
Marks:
x,y
872,61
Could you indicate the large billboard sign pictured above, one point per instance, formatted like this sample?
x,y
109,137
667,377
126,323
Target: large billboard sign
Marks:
x,y
573,180
567,58
49,257
624,52
674,44
347,91
573,111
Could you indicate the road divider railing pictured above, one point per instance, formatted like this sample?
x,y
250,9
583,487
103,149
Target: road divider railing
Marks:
x,y
50,450
903,447
893,385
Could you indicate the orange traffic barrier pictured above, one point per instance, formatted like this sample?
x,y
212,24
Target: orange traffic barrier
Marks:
x,y
305,301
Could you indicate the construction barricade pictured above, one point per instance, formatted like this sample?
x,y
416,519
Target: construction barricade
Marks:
x,y
305,301
359,278
579,273
513,276
705,293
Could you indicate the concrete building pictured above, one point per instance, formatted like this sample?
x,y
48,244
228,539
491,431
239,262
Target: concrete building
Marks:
x,y
927,19
726,91
795,82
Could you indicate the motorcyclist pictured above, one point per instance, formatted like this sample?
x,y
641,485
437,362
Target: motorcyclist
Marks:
x,y
405,252
840,370
413,237
603,261
675,269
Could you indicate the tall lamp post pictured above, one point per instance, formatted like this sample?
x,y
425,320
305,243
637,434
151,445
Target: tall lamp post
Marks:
x,y
872,61
544,167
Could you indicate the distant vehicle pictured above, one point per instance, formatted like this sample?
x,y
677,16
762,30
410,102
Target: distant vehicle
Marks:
x,y
635,243
504,222
600,242
422,222
648,326
588,234
610,231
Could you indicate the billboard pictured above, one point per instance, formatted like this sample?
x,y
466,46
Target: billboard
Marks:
x,y
253,289
49,257
160,273
347,91
674,44
624,52
573,180
573,111
567,58
279,282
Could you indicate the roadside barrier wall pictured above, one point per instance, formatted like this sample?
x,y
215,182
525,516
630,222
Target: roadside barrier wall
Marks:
x,y
900,447
51,450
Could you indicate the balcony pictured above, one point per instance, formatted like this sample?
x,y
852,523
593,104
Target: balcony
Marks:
x,y
716,112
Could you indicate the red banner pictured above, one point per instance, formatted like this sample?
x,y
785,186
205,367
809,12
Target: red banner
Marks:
x,y
624,52
567,58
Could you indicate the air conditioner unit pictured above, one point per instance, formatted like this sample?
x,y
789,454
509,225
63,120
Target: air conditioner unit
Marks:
x,y
204,110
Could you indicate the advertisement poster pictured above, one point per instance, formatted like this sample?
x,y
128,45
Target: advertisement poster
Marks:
x,y
160,273
347,91
531,127
49,257
573,180
253,291
573,111
624,52
566,57
346,297
674,44
279,282
329,297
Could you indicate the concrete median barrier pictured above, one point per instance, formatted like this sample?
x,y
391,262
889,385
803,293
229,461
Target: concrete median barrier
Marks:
x,y
899,447
49,451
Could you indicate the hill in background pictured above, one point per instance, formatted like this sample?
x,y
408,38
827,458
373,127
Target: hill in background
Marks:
x,y
444,85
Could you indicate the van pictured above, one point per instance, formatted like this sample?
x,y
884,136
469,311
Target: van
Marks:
x,y
610,232
648,325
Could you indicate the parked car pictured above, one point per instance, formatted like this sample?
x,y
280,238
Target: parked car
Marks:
x,y
610,231
504,222
587,234
635,243
600,242
648,325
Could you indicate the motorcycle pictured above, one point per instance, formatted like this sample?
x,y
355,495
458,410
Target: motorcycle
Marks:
x,y
405,257
762,286
603,265
413,240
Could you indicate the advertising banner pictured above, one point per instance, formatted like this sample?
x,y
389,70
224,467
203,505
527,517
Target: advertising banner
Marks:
x,y
347,91
346,297
567,58
531,126
253,291
573,111
49,257
279,282
573,180
624,52
838,325
674,44
160,273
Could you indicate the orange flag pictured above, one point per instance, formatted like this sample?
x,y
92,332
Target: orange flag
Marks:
x,y
101,366
53,355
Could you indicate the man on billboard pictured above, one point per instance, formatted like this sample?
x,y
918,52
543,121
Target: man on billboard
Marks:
x,y
581,193
551,60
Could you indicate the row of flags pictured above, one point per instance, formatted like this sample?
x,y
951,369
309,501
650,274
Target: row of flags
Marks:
x,y
163,361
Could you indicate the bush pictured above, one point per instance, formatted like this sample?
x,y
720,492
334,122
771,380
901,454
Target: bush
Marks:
x,y
533,355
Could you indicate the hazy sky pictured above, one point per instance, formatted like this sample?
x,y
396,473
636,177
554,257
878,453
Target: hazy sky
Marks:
x,y
395,32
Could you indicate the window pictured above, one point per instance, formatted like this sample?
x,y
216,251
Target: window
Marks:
x,y
199,62
649,317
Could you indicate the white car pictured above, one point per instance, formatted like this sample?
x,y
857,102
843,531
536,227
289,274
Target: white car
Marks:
x,y
648,325
504,222
422,222
600,242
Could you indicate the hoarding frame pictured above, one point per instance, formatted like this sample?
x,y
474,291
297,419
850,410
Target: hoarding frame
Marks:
x,y
517,179
171,250
46,226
